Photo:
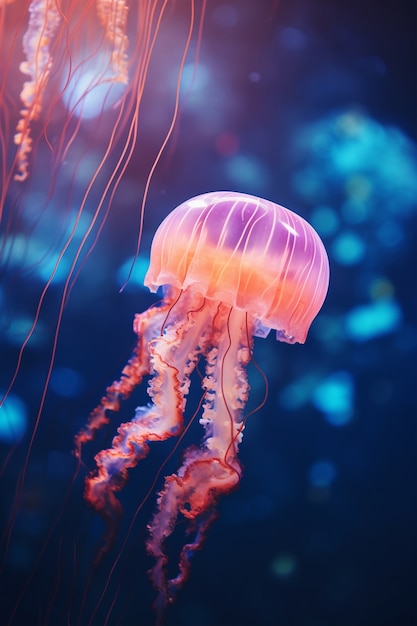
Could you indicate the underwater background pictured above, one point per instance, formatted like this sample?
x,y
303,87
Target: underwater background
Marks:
x,y
311,104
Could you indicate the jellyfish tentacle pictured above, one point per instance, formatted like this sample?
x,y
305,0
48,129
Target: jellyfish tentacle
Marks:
x,y
44,21
146,326
113,16
213,470
169,359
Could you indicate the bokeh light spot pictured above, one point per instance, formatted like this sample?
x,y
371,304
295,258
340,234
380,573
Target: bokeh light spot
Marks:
x,y
359,187
66,382
247,171
137,276
194,83
334,397
254,77
295,395
381,287
322,474
13,419
373,320
284,565
17,329
33,256
355,211
292,39
308,184
91,88
348,249
325,220
390,234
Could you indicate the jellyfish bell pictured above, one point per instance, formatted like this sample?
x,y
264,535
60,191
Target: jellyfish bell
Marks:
x,y
248,252
232,266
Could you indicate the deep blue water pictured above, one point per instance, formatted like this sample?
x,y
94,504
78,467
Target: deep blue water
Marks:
x,y
312,105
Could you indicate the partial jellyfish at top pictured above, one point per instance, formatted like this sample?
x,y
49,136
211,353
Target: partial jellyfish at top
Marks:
x,y
79,84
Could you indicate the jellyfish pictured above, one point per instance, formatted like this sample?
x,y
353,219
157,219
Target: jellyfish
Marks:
x,y
77,55
232,267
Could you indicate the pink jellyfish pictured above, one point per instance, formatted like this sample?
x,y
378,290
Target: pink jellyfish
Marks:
x,y
232,267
